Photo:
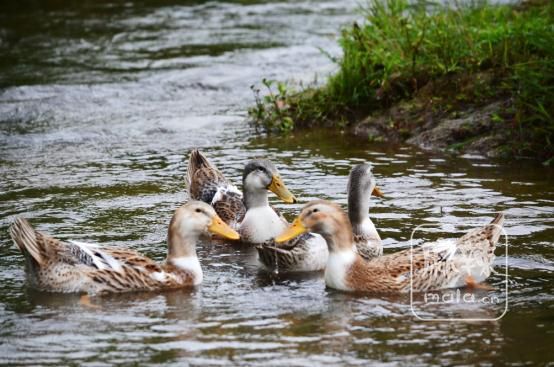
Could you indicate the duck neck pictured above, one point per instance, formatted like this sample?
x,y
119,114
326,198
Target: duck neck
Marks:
x,y
358,208
339,240
180,245
255,198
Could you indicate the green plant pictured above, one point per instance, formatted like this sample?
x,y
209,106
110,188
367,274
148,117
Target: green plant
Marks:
x,y
450,55
270,111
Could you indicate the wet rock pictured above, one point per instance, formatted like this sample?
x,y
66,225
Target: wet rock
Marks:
x,y
470,131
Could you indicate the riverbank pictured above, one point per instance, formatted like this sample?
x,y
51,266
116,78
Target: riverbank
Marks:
x,y
471,79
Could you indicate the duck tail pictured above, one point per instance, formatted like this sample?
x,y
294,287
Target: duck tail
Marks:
x,y
496,228
484,238
25,237
197,161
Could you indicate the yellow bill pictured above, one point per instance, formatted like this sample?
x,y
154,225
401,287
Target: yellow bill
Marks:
x,y
219,227
278,187
294,230
377,192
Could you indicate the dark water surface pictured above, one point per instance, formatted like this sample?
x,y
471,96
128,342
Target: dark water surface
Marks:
x,y
100,104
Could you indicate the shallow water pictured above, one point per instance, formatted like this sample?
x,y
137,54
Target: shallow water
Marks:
x,y
100,104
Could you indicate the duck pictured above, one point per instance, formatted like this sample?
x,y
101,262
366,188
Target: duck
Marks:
x,y
429,267
76,267
249,213
361,186
205,182
300,254
257,222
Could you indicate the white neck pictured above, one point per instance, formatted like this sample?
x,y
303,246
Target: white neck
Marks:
x,y
255,195
338,265
189,264
366,229
261,224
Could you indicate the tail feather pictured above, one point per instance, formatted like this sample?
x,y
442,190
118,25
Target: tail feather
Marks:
x,y
497,223
25,237
197,161
487,235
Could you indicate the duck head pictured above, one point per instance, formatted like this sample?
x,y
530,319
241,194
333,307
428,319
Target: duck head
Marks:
x,y
325,218
260,175
191,221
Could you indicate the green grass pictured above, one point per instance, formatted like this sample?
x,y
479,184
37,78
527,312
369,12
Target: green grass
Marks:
x,y
454,55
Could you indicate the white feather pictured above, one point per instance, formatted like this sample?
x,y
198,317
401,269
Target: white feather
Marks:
x,y
191,264
368,228
224,190
473,266
317,256
446,247
160,276
104,262
233,188
337,267
261,224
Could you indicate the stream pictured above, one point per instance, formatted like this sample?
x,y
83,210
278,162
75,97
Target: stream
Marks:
x,y
100,104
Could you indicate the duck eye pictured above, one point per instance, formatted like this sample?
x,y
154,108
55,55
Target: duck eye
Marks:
x,y
198,210
315,210
261,169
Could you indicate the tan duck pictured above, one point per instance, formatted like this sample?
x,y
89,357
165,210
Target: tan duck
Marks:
x,y
58,266
301,255
440,265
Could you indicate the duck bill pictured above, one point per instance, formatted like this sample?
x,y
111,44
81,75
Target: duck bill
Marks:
x,y
294,230
219,227
278,187
377,192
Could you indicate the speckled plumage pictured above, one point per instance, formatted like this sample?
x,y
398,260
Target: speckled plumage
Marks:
x,y
307,252
433,269
206,183
256,220
444,264
59,266
368,247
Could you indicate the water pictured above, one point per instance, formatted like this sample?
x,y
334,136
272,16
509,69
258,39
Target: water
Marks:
x,y
100,104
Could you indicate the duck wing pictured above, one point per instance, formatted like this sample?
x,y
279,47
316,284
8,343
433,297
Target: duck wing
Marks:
x,y
203,179
206,183
307,252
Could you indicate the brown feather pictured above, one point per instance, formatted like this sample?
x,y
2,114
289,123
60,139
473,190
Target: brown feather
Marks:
x,y
63,267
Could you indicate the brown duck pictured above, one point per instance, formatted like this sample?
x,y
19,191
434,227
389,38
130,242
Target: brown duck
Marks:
x,y
432,266
59,266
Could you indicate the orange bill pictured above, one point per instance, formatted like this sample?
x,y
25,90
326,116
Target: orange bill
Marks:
x,y
278,187
221,228
377,192
294,230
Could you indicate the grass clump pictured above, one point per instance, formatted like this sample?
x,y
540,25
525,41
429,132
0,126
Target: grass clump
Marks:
x,y
271,109
451,55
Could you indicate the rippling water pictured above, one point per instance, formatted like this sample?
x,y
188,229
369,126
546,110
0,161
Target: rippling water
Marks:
x,y
100,104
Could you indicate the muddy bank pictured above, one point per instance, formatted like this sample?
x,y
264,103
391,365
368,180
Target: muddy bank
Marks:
x,y
474,130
